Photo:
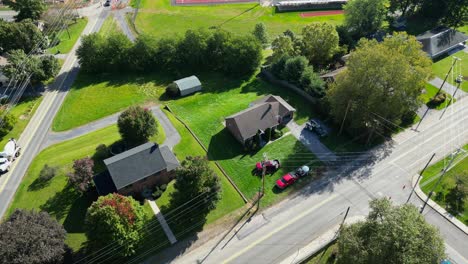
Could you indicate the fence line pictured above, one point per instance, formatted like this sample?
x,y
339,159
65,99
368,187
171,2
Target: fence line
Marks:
x,y
206,150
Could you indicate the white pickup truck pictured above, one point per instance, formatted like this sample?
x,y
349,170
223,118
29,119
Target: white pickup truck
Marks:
x,y
8,155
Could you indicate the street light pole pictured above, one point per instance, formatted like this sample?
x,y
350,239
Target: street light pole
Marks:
x,y
420,175
439,180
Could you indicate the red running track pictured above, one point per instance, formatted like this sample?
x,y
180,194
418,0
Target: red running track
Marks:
x,y
322,13
181,2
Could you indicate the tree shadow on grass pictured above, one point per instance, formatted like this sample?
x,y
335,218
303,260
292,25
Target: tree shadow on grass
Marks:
x,y
38,184
74,221
58,205
224,146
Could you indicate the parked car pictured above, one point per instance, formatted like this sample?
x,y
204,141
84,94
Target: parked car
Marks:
x,y
8,155
270,165
314,126
292,177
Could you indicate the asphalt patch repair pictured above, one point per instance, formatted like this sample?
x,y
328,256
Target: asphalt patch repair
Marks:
x,y
322,13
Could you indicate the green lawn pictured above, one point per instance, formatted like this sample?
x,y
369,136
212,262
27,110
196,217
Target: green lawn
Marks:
x,y
158,17
109,26
67,42
23,111
55,196
188,146
4,8
431,91
324,256
96,96
431,175
205,112
441,67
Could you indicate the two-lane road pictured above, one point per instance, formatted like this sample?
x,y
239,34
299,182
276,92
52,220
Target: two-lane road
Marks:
x,y
280,231
35,132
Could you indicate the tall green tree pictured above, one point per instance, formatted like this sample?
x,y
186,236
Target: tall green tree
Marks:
x,y
390,234
82,176
453,13
320,42
192,49
38,69
364,17
381,84
260,33
8,122
243,56
90,53
32,9
115,219
136,125
22,35
282,45
195,178
31,237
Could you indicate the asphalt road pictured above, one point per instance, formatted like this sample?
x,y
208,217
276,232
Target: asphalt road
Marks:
x,y
281,230
8,15
34,134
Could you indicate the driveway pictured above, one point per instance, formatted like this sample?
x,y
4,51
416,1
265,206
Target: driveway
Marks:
x,y
172,136
312,142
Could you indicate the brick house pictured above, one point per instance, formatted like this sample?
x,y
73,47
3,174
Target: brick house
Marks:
x,y
130,172
267,112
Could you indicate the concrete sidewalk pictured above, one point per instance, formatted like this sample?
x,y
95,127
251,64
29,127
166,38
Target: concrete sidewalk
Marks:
x,y
162,221
448,88
316,245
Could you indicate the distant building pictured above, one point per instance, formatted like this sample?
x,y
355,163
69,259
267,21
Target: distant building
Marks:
x,y
188,85
267,112
441,40
130,172
296,5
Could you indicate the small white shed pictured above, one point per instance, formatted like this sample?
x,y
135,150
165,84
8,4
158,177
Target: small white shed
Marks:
x,y
188,85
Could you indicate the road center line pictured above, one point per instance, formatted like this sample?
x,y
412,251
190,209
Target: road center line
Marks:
x,y
290,222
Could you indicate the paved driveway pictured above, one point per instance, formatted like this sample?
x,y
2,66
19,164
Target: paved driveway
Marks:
x,y
312,142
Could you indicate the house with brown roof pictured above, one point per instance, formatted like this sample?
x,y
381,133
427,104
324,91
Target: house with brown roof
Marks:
x,y
267,112
137,169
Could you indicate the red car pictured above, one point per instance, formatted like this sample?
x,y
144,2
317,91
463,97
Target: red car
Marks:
x,y
270,165
291,177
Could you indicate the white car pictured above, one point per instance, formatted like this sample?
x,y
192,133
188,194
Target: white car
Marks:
x,y
8,155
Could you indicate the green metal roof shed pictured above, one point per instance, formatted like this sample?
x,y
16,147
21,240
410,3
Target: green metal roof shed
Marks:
x,y
188,85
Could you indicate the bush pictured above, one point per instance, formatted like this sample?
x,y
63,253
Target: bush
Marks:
x,y
437,100
312,83
172,90
136,125
102,152
9,122
47,173
278,66
163,187
157,193
277,134
408,118
293,69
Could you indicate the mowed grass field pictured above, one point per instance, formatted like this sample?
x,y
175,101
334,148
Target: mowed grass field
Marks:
x,y
441,67
55,196
109,26
205,112
433,172
431,91
67,42
158,17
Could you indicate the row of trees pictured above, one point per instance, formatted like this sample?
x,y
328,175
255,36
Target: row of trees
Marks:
x,y
380,86
196,51
22,35
27,9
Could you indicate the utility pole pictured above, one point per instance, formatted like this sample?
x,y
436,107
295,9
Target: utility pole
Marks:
x,y
439,180
344,118
446,76
265,158
420,175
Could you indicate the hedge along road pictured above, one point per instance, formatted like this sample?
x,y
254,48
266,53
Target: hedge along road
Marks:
x,y
35,132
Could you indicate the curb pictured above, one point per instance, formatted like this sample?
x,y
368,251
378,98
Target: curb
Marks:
x,y
437,207
318,243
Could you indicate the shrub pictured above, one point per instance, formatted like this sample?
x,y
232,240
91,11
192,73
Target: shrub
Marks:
x,y
277,134
157,193
278,66
102,152
172,90
47,172
312,83
437,100
163,187
82,175
293,69
8,123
